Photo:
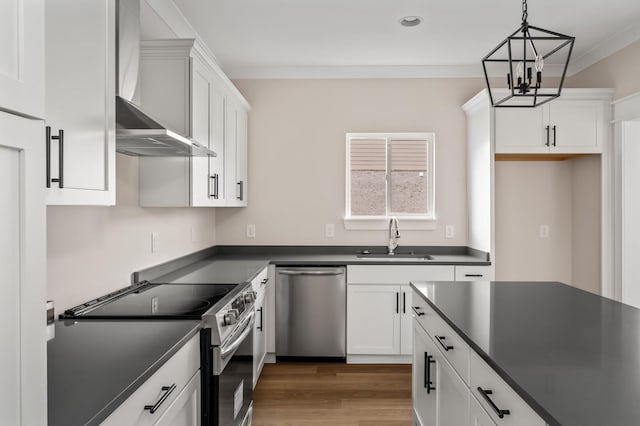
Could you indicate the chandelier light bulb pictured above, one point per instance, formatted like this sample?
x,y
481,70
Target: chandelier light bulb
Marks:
x,y
520,70
539,64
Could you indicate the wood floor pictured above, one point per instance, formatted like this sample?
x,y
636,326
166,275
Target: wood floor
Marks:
x,y
304,394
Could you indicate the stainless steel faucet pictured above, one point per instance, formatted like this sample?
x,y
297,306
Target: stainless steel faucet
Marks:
x,y
394,234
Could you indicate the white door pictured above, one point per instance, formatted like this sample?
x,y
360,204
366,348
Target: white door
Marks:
x,y
424,402
259,337
80,102
230,149
521,130
451,393
406,326
630,232
217,164
575,126
477,415
23,394
373,319
22,56
201,193
237,187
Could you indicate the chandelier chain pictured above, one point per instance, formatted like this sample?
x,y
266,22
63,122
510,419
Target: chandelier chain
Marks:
x,y
525,15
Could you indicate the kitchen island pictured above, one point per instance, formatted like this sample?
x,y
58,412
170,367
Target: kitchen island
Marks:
x,y
573,357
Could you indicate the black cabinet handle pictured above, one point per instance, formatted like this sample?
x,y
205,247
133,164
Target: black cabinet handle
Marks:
x,y
404,302
215,179
260,326
60,138
241,196
547,130
263,282
167,391
473,275
485,394
415,309
397,302
554,135
428,360
444,345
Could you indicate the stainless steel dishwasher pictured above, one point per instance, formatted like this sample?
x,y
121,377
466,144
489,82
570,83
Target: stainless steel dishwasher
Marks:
x,y
311,307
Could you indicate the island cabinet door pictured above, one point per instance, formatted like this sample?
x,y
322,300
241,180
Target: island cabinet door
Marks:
x,y
440,397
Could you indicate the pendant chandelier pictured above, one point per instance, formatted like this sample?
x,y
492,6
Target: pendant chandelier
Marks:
x,y
518,56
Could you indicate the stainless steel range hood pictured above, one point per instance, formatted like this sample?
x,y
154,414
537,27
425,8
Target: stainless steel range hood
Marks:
x,y
138,133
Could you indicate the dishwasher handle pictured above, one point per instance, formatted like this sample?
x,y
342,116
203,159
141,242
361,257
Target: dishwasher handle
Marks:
x,y
314,272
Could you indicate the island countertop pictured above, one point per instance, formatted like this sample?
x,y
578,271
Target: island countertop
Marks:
x,y
573,356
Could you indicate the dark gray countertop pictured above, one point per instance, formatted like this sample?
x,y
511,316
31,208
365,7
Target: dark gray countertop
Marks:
x,y
93,366
572,355
229,264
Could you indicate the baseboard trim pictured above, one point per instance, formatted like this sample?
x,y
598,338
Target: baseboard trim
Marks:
x,y
378,359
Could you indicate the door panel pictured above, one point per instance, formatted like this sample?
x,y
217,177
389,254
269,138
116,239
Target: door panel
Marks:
x,y
373,321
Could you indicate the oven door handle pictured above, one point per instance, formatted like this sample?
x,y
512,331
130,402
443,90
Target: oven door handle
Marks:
x,y
228,349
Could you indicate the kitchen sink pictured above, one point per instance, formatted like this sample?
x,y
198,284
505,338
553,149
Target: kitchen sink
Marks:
x,y
410,255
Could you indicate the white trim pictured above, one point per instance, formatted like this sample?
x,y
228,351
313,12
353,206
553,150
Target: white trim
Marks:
x,y
363,223
378,359
605,48
627,108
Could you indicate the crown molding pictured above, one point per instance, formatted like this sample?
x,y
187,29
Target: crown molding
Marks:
x,y
605,48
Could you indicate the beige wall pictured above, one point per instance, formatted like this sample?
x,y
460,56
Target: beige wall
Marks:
x,y
297,155
619,71
93,250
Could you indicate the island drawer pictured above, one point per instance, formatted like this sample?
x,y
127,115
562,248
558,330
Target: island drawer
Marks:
x,y
398,274
160,390
452,346
495,395
259,283
422,312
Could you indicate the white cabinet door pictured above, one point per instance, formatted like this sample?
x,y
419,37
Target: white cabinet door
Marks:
x,y
373,319
217,175
23,394
80,101
439,388
406,328
520,130
236,151
185,409
200,132
22,56
576,126
259,336
477,415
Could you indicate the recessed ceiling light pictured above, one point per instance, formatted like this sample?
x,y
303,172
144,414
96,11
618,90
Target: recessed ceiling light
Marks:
x,y
411,21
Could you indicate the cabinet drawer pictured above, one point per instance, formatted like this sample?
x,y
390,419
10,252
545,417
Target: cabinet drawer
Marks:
x,y
422,312
454,349
174,374
473,273
502,396
398,274
259,283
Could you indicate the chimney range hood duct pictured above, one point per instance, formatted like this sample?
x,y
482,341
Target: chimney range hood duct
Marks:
x,y
137,133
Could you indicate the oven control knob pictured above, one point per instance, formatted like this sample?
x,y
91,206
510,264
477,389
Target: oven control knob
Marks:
x,y
231,317
250,297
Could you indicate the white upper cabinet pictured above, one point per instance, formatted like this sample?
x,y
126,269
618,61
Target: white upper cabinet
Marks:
x,y
236,155
180,86
573,124
80,102
22,56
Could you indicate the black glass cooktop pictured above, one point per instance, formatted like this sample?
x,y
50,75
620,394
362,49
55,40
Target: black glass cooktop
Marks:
x,y
155,301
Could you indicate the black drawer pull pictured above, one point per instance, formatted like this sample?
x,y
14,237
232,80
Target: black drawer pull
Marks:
x,y
554,135
167,391
263,282
404,302
485,394
444,345
473,275
547,130
397,302
260,326
415,309
428,360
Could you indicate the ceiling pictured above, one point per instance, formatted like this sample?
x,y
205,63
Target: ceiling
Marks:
x,y
327,38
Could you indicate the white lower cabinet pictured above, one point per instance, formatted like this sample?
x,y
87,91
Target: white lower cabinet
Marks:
x,y
474,273
440,396
467,390
259,285
477,415
379,306
169,397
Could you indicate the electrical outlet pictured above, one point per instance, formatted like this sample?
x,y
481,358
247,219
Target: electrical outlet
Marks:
x,y
251,230
329,230
544,231
449,231
154,242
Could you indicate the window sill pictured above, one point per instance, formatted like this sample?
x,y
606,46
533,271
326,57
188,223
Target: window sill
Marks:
x,y
375,223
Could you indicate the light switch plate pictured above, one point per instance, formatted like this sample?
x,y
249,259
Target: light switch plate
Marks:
x,y
329,230
449,231
251,230
154,242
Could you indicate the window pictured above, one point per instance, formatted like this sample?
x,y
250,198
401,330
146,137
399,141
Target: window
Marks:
x,y
389,175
